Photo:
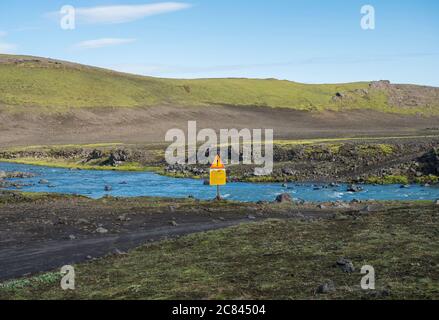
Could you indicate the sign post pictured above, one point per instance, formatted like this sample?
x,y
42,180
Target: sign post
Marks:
x,y
218,175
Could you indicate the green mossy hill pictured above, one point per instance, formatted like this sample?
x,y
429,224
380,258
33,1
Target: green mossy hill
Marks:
x,y
57,86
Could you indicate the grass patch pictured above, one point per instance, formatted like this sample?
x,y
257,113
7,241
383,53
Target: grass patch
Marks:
x,y
58,163
390,179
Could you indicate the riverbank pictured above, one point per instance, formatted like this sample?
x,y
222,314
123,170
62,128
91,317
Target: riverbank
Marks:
x,y
385,160
262,251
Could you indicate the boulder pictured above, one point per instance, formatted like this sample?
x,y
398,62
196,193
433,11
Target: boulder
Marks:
x,y
345,265
284,198
108,188
437,202
326,287
43,181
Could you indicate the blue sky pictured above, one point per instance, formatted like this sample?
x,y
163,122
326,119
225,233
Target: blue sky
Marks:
x,y
312,41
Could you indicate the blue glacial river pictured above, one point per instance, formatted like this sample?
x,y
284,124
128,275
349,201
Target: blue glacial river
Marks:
x,y
133,184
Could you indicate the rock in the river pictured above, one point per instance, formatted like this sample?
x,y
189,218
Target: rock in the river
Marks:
x,y
101,230
345,265
326,287
284,198
108,188
43,181
354,188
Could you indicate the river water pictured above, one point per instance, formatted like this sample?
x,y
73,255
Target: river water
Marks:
x,y
92,184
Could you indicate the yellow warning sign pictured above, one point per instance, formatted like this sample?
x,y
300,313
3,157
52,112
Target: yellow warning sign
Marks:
x,y
217,163
218,177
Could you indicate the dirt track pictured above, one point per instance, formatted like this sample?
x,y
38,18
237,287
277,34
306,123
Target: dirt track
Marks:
x,y
134,125
35,235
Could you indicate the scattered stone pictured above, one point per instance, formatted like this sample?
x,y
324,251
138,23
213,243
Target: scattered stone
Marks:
x,y
172,208
101,230
251,217
173,223
372,208
119,252
345,265
437,202
285,185
326,287
108,188
284,198
89,257
43,181
342,205
123,218
123,182
321,206
405,186
72,237
82,221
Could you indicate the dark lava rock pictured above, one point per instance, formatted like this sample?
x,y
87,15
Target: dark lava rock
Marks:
x,y
379,293
326,287
95,154
118,156
284,198
345,265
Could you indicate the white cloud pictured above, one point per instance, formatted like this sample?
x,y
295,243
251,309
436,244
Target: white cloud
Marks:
x,y
123,13
3,33
101,43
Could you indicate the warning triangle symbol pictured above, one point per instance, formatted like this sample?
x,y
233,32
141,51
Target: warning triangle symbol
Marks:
x,y
217,163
